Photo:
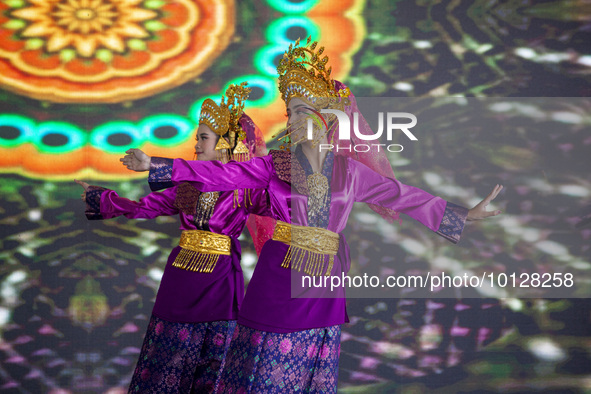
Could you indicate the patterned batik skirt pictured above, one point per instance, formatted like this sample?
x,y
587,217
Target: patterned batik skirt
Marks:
x,y
268,362
182,357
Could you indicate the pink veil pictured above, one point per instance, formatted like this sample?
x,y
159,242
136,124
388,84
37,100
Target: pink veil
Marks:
x,y
260,227
376,160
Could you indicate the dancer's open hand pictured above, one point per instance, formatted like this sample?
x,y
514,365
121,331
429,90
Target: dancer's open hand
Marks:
x,y
479,212
85,186
136,160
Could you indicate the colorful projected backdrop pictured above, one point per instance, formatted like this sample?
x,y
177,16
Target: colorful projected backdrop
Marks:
x,y
83,80
109,51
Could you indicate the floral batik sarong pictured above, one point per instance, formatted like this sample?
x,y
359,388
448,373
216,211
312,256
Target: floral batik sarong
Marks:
x,y
182,357
268,362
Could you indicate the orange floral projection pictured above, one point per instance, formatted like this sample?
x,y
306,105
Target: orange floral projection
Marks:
x,y
108,50
102,51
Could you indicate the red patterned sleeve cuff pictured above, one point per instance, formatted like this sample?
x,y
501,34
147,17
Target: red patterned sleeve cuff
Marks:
x,y
452,224
93,202
160,173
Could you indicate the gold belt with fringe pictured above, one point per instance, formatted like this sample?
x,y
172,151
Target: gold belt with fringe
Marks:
x,y
308,247
201,250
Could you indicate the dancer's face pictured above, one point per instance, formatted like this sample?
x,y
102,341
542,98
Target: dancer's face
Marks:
x,y
298,111
206,142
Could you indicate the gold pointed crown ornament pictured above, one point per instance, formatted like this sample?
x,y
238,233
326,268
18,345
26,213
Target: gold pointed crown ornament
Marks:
x,y
303,74
224,120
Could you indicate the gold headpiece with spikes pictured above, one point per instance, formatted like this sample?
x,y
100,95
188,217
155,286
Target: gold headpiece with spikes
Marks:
x,y
303,74
225,118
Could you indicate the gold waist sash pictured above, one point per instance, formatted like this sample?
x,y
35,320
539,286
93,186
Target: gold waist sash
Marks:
x,y
309,247
201,250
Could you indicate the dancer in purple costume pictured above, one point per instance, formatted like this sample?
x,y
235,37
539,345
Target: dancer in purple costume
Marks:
x,y
287,338
202,288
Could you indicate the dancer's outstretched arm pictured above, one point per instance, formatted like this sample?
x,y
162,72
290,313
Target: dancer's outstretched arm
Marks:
x,y
204,175
445,218
102,203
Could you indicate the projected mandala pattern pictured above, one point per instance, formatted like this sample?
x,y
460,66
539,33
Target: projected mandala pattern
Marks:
x,y
105,51
108,50
75,297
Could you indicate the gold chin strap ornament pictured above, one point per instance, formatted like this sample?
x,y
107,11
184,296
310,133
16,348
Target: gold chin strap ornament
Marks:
x,y
224,120
303,74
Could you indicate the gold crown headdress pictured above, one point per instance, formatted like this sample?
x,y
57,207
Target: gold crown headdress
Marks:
x,y
303,74
225,118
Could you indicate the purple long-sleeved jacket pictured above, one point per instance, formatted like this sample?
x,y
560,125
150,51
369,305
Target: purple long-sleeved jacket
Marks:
x,y
188,296
275,300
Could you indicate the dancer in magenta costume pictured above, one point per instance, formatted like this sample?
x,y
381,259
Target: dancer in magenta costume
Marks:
x,y
201,290
287,343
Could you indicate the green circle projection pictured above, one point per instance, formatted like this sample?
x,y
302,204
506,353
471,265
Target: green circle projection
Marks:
x,y
25,126
64,137
184,128
277,30
288,7
100,136
75,137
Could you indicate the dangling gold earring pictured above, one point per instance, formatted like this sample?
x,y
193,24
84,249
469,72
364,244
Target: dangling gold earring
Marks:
x,y
241,152
222,155
221,149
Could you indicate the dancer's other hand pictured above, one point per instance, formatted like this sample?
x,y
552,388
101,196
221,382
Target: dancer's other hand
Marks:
x,y
136,160
479,212
85,186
